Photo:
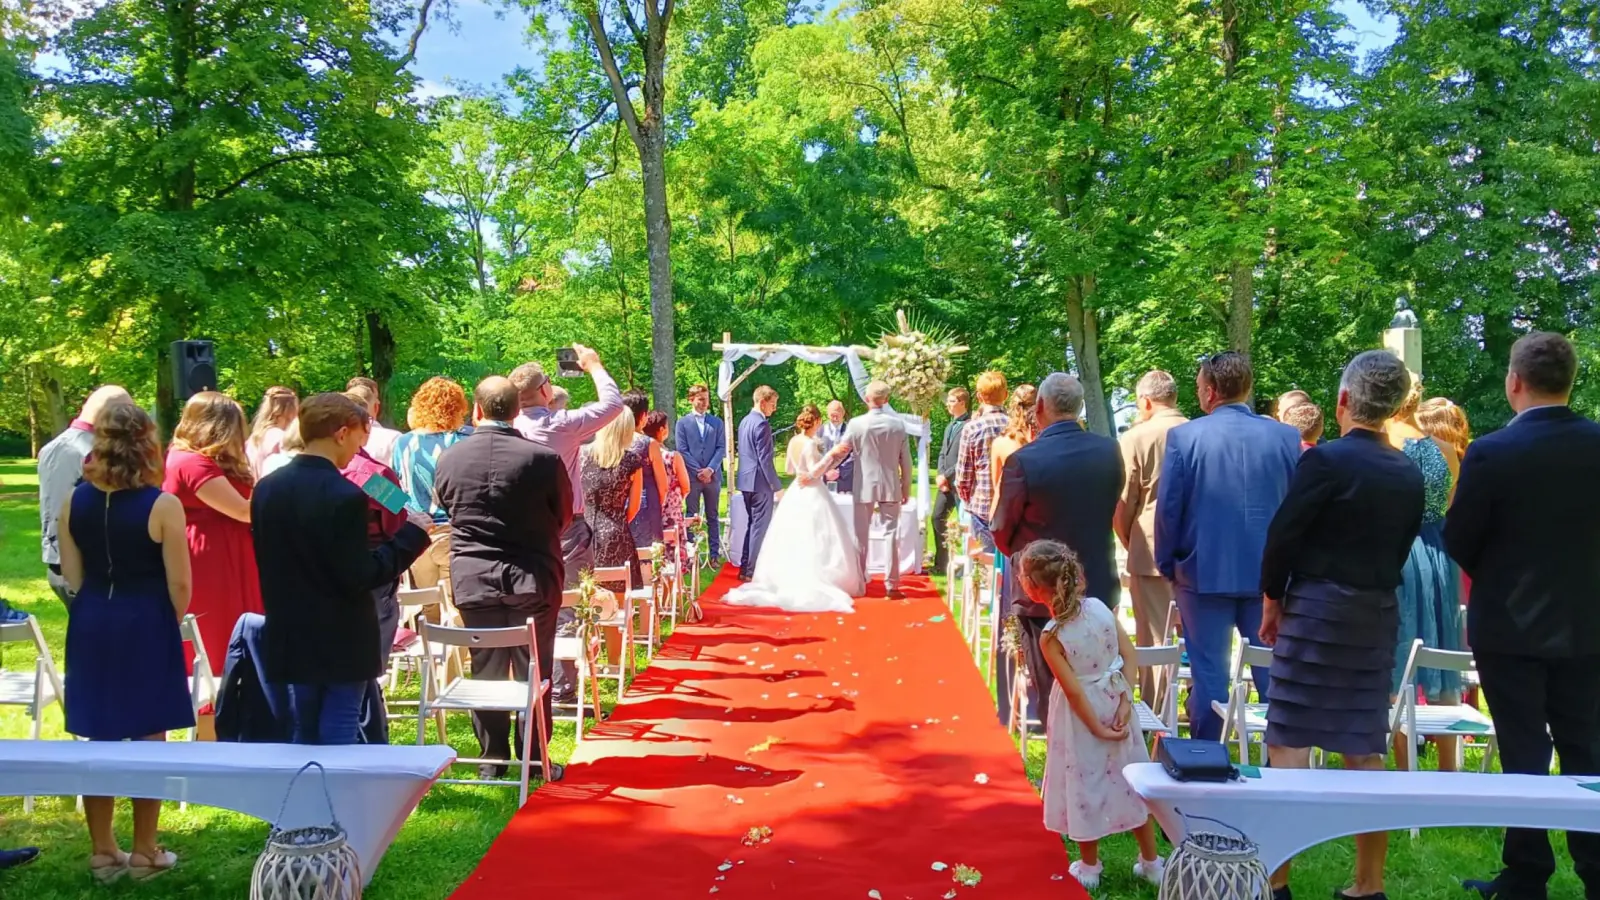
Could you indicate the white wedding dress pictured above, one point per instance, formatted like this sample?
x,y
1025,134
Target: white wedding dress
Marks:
x,y
808,561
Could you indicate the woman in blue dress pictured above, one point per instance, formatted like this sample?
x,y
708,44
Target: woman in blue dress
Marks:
x,y
125,553
646,527
1430,590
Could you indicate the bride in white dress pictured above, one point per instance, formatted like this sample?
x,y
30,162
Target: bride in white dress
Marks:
x,y
809,560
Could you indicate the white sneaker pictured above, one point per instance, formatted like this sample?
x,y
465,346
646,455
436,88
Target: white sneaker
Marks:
x,y
1150,870
1088,876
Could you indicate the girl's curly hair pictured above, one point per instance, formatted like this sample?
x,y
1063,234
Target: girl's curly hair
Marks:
x,y
1052,564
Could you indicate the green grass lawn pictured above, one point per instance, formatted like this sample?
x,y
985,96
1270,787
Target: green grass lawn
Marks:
x,y
454,825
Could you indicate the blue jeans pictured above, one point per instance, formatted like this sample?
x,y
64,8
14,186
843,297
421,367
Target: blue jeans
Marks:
x,y
327,713
1208,624
980,530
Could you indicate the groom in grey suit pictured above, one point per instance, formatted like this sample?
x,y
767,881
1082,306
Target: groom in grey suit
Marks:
x,y
882,477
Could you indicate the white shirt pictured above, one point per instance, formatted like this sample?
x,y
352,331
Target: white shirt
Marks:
x,y
380,443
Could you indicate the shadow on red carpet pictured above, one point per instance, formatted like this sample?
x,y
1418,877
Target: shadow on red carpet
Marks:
x,y
861,750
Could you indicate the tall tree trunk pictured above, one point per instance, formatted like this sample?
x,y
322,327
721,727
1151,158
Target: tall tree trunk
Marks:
x,y
381,341
55,406
1241,274
174,312
658,240
1084,332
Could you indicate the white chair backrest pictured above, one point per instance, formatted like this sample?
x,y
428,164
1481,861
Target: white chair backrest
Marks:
x,y
1170,628
17,632
1250,656
515,636
419,598
607,576
189,628
44,667
570,597
1164,655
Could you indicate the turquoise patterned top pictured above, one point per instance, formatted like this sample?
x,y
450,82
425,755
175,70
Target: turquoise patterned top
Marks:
x,y
1435,476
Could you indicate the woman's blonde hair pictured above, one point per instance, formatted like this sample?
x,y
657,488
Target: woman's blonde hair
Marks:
x,y
292,441
1052,564
613,441
276,404
439,405
1023,423
213,426
127,449
1444,421
1408,407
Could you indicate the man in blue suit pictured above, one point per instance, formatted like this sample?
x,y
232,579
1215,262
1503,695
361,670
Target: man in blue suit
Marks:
x,y
1221,482
702,445
757,478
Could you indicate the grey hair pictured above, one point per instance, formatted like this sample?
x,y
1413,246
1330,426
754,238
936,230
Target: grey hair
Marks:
x,y
1377,383
877,392
1061,394
1158,387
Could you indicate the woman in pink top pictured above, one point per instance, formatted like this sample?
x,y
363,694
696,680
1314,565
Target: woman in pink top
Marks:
x,y
278,408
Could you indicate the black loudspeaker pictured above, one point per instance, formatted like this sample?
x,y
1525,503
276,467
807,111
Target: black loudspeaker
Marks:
x,y
194,368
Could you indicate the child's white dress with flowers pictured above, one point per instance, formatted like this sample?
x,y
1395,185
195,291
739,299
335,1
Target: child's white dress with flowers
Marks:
x,y
1085,796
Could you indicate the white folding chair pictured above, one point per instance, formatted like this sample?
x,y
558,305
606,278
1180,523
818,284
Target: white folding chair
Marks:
x,y
570,648
1022,725
1416,721
622,621
34,689
979,584
647,599
203,686
1245,721
1160,719
448,662
474,695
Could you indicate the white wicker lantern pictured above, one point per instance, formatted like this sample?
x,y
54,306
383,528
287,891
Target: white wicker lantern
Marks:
x,y
1210,866
312,863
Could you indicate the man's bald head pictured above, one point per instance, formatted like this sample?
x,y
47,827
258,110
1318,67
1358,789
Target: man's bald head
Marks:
x,y
496,398
102,395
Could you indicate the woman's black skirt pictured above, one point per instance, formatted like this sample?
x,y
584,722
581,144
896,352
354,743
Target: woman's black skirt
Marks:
x,y
1331,668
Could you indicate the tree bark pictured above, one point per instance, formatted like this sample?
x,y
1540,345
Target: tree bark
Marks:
x,y
1084,332
173,314
380,339
1241,274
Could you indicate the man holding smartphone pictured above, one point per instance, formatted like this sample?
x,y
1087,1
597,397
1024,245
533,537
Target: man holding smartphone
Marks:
x,y
564,432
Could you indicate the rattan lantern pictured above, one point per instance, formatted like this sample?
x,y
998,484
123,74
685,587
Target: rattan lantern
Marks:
x,y
1211,866
311,863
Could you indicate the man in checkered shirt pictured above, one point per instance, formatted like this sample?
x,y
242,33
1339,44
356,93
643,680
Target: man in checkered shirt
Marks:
x,y
974,481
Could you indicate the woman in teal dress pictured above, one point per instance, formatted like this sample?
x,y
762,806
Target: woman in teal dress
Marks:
x,y
1430,591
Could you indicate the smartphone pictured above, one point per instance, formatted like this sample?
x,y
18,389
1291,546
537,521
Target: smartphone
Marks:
x,y
567,363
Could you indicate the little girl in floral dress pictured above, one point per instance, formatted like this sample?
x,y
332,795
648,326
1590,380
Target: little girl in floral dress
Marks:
x,y
1092,730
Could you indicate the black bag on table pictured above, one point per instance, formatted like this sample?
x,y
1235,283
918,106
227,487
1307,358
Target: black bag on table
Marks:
x,y
1191,760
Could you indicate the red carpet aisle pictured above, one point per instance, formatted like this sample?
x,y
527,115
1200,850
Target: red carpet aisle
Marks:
x,y
866,743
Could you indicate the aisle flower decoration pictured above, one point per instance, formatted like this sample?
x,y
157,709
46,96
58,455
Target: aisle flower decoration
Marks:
x,y
915,362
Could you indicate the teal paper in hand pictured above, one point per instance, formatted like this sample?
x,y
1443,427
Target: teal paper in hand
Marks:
x,y
386,492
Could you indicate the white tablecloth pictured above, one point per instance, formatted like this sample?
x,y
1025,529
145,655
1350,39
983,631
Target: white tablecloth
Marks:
x,y
1287,811
911,539
374,789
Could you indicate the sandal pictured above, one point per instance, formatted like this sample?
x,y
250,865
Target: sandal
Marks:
x,y
105,868
164,861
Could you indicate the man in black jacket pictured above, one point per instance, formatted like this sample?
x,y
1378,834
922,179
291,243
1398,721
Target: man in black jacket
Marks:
x,y
509,501
945,502
1062,487
317,573
1524,527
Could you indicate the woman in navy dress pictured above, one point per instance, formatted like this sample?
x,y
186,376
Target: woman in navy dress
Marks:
x,y
646,526
124,552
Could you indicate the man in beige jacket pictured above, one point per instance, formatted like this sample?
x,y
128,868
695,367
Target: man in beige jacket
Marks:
x,y
1143,447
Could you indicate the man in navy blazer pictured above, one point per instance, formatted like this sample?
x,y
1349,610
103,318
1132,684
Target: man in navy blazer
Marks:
x,y
1221,482
702,445
757,478
1063,486
1524,526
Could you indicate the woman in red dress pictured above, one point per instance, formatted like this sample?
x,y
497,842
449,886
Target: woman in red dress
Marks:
x,y
208,471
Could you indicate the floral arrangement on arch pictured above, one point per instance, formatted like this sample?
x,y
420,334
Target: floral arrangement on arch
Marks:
x,y
915,362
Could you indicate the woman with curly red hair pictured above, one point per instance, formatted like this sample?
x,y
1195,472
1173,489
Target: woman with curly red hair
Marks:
x,y
438,419
209,472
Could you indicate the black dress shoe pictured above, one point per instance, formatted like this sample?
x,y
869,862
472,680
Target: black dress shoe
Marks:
x,y
1282,893
1339,894
557,771
1495,890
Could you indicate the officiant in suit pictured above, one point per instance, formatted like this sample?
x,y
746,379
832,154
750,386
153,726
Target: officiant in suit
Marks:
x,y
757,478
702,445
1523,526
842,479
877,440
1062,487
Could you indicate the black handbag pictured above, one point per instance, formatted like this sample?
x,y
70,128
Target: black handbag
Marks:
x,y
1191,760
